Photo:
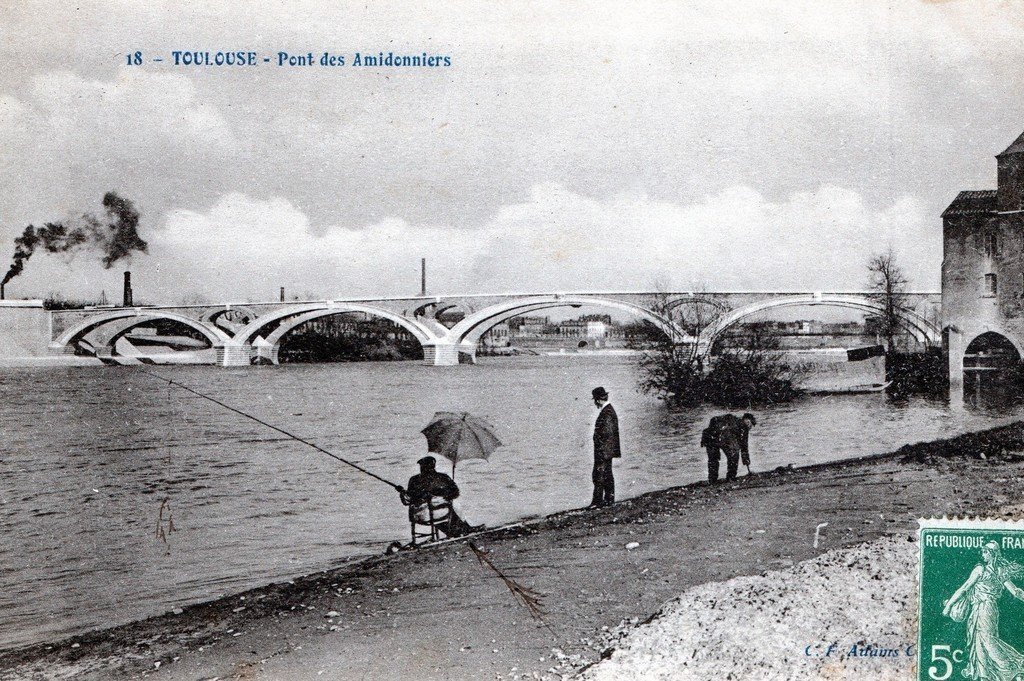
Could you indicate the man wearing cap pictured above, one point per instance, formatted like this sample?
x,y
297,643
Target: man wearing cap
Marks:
x,y
428,484
606,448
730,434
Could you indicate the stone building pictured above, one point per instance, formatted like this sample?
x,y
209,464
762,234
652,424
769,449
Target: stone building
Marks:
x,y
983,276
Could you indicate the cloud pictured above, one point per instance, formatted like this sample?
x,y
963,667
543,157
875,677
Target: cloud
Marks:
x,y
734,239
556,240
135,113
730,143
67,140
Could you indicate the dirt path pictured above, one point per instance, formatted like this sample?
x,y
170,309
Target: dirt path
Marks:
x,y
439,614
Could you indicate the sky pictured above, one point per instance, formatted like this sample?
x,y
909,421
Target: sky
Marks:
x,y
568,147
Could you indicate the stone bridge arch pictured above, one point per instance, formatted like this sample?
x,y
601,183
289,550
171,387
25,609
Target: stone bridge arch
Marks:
x,y
919,327
462,339
266,332
269,348
214,335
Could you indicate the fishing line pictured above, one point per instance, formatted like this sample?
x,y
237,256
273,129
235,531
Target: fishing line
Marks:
x,y
528,597
272,427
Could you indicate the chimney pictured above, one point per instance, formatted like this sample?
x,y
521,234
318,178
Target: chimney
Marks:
x,y
282,294
2,291
128,289
423,276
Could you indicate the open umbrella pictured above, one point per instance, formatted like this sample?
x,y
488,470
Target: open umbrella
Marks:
x,y
458,436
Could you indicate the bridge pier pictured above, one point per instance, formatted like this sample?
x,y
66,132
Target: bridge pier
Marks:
x,y
234,355
266,352
448,354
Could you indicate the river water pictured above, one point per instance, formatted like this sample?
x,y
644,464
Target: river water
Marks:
x,y
96,462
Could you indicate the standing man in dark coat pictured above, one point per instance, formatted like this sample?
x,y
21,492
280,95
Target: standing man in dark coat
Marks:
x,y
730,434
606,448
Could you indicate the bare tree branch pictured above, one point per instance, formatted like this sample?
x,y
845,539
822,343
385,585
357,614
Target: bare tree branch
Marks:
x,y
888,287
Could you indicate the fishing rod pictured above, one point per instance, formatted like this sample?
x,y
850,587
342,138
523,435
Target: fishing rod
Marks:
x,y
529,598
359,468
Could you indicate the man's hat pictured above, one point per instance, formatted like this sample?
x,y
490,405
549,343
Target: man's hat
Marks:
x,y
599,393
750,417
428,461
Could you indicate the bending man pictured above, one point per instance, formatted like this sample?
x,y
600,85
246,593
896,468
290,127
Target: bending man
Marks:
x,y
730,434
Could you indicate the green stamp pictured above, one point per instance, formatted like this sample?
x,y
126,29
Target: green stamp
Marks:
x,y
971,602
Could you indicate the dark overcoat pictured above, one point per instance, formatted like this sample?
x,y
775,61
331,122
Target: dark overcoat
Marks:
x,y
729,433
606,435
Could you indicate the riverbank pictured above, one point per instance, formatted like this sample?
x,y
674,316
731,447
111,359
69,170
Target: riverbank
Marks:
x,y
439,613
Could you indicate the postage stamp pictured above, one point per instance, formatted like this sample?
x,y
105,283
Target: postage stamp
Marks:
x,y
971,600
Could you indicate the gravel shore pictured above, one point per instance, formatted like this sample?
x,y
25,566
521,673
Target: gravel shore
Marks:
x,y
848,614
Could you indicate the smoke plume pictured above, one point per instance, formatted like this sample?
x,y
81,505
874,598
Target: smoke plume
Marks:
x,y
115,236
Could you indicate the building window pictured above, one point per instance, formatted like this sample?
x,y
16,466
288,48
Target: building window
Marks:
x,y
992,244
991,285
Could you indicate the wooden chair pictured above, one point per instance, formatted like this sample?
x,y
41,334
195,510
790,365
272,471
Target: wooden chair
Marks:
x,y
430,519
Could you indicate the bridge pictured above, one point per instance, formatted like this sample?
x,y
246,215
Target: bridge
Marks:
x,y
246,333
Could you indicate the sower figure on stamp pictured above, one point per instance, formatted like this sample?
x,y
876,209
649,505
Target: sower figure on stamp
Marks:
x,y
730,434
606,448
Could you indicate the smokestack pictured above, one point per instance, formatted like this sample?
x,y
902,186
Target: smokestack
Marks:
x,y
423,276
282,294
2,291
127,289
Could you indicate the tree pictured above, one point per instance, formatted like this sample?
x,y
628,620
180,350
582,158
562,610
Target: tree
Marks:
x,y
669,368
751,372
888,287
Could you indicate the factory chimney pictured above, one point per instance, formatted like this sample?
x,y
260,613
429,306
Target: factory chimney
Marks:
x,y
282,294
127,289
423,276
2,291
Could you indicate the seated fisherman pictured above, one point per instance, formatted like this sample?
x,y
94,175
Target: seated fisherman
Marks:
x,y
429,485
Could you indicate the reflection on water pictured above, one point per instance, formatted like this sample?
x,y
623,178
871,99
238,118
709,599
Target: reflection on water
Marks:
x,y
90,455
992,391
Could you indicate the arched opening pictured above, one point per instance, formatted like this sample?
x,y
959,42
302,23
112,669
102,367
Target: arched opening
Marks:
x,y
824,346
160,341
445,313
230,319
992,371
450,314
164,333
345,336
475,325
919,332
258,331
556,325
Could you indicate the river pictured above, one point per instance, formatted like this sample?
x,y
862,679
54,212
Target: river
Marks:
x,y
96,462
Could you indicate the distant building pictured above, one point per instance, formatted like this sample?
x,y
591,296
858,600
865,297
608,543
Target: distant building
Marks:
x,y
983,273
526,327
496,337
583,328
